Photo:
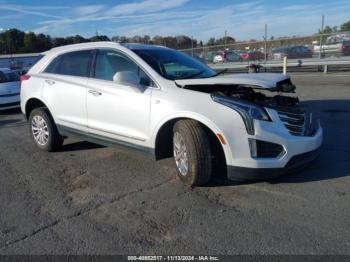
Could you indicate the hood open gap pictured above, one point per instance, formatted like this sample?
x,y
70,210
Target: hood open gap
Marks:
x,y
251,94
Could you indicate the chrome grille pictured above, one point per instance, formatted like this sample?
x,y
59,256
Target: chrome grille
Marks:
x,y
294,120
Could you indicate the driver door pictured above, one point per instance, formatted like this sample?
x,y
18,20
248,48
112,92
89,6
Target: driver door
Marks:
x,y
114,110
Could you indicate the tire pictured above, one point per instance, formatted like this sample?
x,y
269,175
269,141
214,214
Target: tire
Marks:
x,y
40,120
191,149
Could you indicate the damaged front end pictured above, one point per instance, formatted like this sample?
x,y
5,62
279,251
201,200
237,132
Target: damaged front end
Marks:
x,y
251,96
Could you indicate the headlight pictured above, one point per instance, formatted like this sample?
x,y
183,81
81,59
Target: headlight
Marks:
x,y
248,111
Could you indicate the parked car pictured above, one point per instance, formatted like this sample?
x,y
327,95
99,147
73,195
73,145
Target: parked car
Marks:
x,y
292,52
164,103
209,56
226,56
9,89
252,56
220,57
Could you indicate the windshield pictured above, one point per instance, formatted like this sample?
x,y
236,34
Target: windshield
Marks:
x,y
173,65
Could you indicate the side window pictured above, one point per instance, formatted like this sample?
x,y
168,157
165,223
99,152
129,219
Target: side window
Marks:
x,y
12,77
73,64
110,62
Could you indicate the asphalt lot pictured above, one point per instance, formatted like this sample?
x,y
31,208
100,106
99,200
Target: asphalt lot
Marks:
x,y
88,199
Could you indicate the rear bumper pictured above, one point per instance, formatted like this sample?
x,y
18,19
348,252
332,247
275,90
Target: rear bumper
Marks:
x,y
294,164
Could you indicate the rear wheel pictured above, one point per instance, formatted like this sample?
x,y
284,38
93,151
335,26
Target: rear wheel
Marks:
x,y
192,152
43,130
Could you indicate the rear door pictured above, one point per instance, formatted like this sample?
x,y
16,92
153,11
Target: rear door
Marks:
x,y
65,83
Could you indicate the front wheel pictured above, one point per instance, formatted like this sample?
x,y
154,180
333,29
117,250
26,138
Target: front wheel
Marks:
x,y
192,152
43,130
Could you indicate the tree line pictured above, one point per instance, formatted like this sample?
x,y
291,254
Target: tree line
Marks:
x,y
342,28
14,41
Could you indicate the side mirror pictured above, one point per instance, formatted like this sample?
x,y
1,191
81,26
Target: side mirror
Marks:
x,y
129,78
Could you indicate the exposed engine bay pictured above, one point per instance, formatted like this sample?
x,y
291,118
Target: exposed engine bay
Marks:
x,y
249,94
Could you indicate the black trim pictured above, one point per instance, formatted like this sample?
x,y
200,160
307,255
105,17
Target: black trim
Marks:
x,y
297,162
268,149
9,104
9,95
93,63
301,159
106,141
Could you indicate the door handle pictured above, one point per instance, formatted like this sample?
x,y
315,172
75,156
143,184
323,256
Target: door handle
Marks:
x,y
50,82
95,92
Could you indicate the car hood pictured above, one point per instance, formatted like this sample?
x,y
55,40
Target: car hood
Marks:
x,y
267,81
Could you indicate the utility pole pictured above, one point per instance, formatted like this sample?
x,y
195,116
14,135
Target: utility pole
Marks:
x,y
265,48
192,43
225,39
321,36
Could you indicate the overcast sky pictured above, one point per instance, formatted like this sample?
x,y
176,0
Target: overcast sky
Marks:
x,y
200,18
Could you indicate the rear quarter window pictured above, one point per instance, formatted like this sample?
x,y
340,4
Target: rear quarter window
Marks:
x,y
72,64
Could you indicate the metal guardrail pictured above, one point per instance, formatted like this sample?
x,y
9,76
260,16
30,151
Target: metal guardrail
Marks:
x,y
299,63
291,62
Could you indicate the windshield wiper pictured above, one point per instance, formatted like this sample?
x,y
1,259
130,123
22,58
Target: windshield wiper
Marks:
x,y
220,72
194,75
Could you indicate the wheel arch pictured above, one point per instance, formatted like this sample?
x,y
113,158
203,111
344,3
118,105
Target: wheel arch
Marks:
x,y
162,140
33,103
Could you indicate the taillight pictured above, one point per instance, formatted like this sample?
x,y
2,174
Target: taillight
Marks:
x,y
24,77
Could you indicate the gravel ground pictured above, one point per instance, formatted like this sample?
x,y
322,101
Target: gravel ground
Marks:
x,y
89,199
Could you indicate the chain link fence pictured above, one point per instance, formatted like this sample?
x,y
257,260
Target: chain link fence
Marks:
x,y
333,45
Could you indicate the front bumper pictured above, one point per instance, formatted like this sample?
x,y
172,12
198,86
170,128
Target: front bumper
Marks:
x,y
298,152
297,162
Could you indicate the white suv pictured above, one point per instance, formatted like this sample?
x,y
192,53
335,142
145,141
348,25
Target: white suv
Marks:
x,y
164,103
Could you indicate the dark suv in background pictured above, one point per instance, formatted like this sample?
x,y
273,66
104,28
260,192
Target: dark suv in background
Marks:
x,y
291,52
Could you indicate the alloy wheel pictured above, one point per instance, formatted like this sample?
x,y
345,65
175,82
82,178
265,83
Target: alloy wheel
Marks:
x,y
40,130
180,154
